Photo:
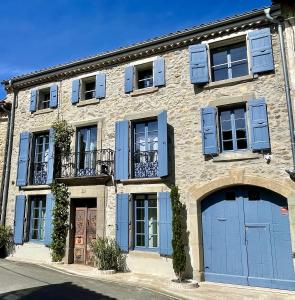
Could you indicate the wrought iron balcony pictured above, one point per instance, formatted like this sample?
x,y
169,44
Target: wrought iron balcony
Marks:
x,y
145,164
39,173
86,164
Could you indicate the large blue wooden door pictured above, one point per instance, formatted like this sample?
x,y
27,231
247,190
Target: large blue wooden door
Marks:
x,y
246,238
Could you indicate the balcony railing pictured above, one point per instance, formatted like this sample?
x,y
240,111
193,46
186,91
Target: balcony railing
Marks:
x,y
86,164
39,174
145,164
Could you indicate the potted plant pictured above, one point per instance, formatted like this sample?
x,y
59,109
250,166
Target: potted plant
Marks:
x,y
6,241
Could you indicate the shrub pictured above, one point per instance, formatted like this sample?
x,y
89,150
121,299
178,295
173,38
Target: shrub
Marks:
x,y
107,254
6,240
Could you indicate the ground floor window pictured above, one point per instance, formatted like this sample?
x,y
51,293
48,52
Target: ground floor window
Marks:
x,y
146,221
37,218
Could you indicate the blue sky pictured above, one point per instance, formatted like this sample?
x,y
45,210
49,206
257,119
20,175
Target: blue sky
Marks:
x,y
37,33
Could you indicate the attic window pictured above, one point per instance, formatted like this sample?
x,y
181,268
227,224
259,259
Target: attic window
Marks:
x,y
144,75
43,98
88,88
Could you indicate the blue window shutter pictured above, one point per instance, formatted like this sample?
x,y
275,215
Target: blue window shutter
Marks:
x,y
261,50
159,72
75,91
163,145
100,86
258,124
122,150
53,96
129,73
198,57
209,131
51,152
48,219
19,214
122,221
23,159
165,223
33,101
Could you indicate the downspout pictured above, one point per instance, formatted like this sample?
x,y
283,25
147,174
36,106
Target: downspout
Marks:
x,y
8,161
279,23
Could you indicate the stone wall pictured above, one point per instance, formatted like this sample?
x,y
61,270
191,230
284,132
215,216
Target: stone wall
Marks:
x,y
3,134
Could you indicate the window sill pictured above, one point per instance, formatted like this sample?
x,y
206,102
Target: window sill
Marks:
x,y
231,81
144,254
144,91
35,187
42,111
141,180
87,102
234,156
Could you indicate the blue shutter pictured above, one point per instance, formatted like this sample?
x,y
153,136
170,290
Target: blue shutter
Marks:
x,y
122,221
129,73
258,124
122,150
209,131
33,101
165,223
48,219
261,50
163,145
75,91
159,72
198,57
53,96
51,152
19,214
100,86
23,158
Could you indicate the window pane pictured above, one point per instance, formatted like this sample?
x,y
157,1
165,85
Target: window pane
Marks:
x,y
241,134
228,145
152,196
219,56
139,202
140,240
242,144
139,227
139,128
239,69
226,125
153,241
153,203
240,123
140,138
220,73
140,214
227,135
238,52
35,234
153,126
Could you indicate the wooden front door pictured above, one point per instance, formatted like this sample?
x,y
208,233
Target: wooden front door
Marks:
x,y
85,232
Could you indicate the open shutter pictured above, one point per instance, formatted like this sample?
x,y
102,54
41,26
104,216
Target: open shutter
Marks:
x,y
100,86
159,72
198,64
23,159
33,101
258,124
19,213
122,150
75,91
163,145
51,152
53,96
129,73
165,223
48,219
122,221
261,50
209,131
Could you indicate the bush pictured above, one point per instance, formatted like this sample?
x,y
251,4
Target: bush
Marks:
x,y
107,254
6,240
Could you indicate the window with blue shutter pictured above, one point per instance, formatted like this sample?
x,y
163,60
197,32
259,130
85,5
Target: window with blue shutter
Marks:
x,y
100,86
209,130
159,72
122,221
19,214
37,205
23,159
129,73
198,60
51,155
48,219
165,224
258,125
163,144
261,50
33,101
53,96
122,150
75,91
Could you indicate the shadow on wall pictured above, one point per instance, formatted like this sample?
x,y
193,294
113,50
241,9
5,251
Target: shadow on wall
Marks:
x,y
171,155
65,290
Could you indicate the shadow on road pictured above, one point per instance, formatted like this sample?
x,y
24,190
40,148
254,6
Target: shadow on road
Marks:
x,y
65,290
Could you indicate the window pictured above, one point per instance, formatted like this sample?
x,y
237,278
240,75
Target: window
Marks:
x,y
40,158
44,98
86,151
229,61
88,88
37,218
233,129
145,151
144,76
146,221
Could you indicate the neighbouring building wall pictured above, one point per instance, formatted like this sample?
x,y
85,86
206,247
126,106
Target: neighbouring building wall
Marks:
x,y
3,136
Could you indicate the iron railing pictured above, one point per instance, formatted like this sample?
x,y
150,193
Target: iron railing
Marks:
x,y
39,173
145,164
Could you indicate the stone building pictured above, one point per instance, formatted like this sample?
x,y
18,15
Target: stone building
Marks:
x,y
203,108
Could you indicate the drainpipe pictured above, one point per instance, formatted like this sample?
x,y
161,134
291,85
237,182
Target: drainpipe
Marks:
x,y
279,23
8,160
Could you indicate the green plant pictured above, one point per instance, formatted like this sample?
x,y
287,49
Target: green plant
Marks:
x,y
178,228
6,240
107,254
60,220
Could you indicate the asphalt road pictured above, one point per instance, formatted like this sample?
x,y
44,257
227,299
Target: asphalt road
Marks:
x,y
27,281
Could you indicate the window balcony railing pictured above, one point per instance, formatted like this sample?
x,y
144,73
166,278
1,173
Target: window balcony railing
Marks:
x,y
86,164
39,174
145,164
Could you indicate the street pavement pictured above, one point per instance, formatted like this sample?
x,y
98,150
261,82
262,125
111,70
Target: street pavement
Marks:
x,y
20,280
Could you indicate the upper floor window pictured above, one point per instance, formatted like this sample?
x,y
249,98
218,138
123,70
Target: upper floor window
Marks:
x,y
144,76
43,98
88,88
37,218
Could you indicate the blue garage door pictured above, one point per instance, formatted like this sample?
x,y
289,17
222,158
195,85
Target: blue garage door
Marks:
x,y
246,237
